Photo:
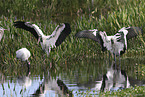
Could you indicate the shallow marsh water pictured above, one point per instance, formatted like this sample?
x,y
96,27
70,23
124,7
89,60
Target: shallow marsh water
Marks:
x,y
76,81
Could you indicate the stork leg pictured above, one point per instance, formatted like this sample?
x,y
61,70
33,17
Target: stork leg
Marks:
x,y
115,59
44,55
119,62
38,40
28,65
48,51
28,72
109,57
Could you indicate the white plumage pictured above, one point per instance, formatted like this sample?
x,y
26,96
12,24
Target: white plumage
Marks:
x,y
1,32
53,84
23,54
49,41
116,44
114,79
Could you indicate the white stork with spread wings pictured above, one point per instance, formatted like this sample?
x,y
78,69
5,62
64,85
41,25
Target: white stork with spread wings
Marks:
x,y
49,41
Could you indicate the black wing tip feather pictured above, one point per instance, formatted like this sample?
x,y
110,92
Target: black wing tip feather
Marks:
x,y
83,34
19,21
80,34
21,24
66,31
67,28
87,34
18,24
26,26
134,31
77,34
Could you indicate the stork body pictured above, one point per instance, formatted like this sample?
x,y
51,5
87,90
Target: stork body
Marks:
x,y
1,32
116,44
23,54
49,41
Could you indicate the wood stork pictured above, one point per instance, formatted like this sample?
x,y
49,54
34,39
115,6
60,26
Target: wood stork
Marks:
x,y
116,44
23,54
1,32
50,41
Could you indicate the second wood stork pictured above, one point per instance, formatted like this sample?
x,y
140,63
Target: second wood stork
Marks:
x,y
116,44
1,32
23,54
50,41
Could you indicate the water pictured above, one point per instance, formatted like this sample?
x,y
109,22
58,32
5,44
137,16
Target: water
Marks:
x,y
78,82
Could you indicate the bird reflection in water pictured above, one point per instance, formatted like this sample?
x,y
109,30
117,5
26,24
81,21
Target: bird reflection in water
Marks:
x,y
25,81
114,79
54,84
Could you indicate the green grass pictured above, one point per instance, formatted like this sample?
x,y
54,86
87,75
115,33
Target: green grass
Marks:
x,y
133,91
74,53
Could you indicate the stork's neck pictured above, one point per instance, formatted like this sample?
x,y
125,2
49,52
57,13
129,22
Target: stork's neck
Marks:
x,y
112,41
108,39
39,32
58,29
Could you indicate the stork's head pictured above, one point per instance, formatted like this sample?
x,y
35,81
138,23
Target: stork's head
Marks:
x,y
103,35
123,30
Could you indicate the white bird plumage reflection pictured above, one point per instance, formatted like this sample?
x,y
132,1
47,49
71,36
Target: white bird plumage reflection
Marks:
x,y
51,83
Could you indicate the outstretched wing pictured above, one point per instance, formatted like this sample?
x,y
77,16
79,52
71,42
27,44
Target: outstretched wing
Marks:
x,y
91,34
28,26
133,32
62,31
